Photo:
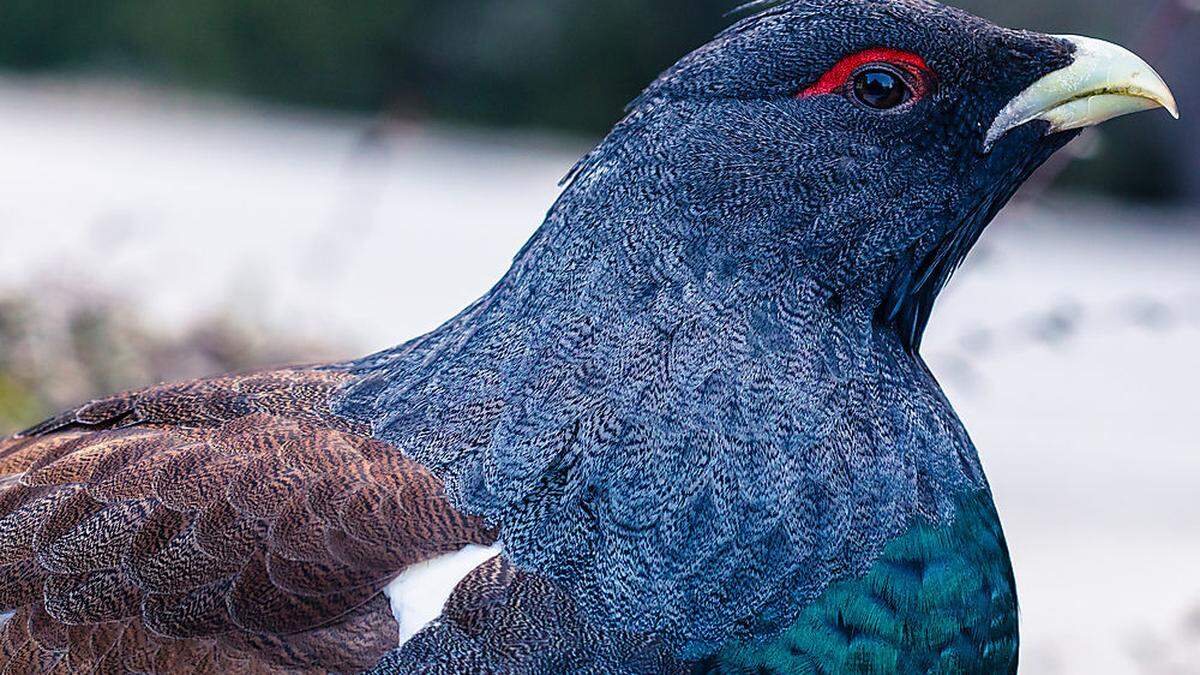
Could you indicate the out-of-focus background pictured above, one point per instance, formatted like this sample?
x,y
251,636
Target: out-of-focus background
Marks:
x,y
189,188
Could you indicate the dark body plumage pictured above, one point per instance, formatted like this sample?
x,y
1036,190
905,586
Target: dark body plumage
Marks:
x,y
938,600
218,526
693,414
695,400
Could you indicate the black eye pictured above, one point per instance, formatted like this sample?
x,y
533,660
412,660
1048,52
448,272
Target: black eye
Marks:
x,y
880,88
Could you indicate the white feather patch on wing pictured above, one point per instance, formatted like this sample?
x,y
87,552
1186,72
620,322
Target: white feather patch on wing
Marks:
x,y
420,593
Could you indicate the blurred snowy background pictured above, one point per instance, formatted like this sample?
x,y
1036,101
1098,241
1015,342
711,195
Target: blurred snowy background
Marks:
x,y
254,183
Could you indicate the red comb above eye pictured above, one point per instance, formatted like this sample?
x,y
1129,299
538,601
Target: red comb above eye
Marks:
x,y
840,73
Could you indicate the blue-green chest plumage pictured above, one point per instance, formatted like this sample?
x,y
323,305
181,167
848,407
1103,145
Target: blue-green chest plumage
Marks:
x,y
939,600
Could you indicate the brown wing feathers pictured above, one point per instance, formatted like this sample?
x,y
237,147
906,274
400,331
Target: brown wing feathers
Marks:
x,y
228,525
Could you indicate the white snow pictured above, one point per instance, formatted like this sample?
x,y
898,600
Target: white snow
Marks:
x,y
1072,353
196,206
1069,343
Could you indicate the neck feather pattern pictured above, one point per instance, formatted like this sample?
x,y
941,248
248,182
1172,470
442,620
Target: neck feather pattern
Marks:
x,y
690,438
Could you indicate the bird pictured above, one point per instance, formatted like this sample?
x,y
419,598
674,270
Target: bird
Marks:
x,y
689,431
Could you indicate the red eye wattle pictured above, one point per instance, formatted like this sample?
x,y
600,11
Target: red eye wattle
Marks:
x,y
840,77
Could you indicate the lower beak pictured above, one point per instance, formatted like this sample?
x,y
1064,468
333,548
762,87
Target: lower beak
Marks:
x,y
1104,81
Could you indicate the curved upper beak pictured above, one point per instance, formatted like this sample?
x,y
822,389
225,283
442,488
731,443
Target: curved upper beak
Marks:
x,y
1104,81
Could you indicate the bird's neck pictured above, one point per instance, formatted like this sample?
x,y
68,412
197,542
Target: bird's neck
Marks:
x,y
618,406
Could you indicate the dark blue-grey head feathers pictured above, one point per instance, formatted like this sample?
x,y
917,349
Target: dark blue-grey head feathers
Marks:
x,y
694,401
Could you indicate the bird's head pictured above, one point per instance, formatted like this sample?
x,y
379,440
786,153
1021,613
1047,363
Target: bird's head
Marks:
x,y
688,400
859,145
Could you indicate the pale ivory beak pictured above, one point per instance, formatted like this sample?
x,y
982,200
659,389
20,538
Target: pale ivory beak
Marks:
x,y
1105,81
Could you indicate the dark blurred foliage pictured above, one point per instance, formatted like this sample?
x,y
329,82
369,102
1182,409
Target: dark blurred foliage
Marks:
x,y
68,347
560,64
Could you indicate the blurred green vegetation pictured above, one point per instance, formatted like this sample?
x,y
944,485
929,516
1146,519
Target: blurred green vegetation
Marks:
x,y
67,347
18,405
550,63
560,64
567,64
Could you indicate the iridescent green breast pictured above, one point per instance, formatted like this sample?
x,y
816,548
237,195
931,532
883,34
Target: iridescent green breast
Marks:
x,y
939,600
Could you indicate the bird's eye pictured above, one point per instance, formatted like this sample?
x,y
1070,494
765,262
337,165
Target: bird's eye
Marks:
x,y
880,88
877,79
